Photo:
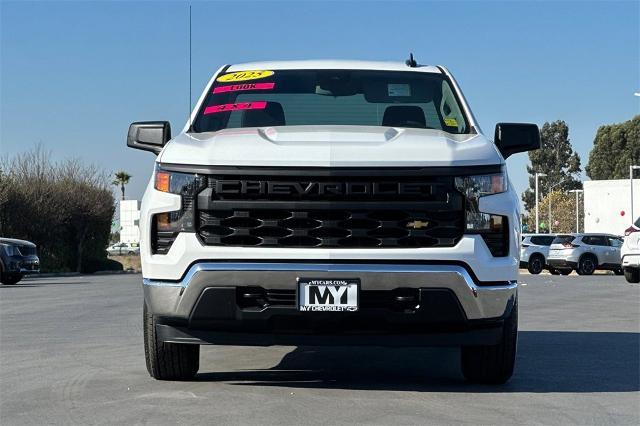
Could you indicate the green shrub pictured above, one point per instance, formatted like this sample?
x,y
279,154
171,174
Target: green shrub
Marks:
x,y
65,208
103,264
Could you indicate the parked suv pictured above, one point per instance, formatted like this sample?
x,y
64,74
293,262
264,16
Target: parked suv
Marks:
x,y
534,251
630,253
331,203
17,259
585,253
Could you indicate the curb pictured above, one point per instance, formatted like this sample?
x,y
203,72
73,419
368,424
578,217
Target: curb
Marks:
x,y
75,274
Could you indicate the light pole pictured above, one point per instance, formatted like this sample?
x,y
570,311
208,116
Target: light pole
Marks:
x,y
577,191
631,169
538,175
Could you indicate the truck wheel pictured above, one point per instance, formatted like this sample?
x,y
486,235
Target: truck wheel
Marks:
x,y
587,265
493,364
632,275
536,264
10,279
168,361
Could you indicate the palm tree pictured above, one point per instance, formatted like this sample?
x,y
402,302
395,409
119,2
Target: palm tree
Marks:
x,y
122,178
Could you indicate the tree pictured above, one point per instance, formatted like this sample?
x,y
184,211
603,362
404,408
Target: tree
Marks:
x,y
65,208
121,178
114,237
563,213
615,148
89,212
556,159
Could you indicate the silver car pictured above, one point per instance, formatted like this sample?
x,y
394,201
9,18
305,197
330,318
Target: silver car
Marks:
x,y
534,251
585,253
120,249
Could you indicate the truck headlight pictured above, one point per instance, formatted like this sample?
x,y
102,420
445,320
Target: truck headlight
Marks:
x,y
493,228
185,184
167,225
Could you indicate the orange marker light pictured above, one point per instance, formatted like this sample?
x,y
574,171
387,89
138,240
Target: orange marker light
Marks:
x,y
163,180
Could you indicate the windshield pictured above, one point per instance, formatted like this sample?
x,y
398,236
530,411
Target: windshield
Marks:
x,y
331,97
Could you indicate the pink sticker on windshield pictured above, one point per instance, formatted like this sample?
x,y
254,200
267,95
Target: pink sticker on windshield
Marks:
x,y
235,107
246,86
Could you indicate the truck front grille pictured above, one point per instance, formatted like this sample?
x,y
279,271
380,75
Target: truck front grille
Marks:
x,y
331,210
330,228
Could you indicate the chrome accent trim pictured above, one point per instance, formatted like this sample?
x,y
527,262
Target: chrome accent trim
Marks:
x,y
325,267
177,298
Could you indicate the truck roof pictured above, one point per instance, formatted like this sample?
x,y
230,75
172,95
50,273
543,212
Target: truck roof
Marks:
x,y
332,64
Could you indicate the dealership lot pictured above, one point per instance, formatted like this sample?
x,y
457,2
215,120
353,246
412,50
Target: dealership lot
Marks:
x,y
71,353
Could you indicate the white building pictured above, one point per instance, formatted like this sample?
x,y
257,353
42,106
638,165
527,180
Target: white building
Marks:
x,y
129,217
607,205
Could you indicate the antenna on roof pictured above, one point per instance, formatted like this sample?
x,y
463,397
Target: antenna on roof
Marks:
x,y
411,62
189,110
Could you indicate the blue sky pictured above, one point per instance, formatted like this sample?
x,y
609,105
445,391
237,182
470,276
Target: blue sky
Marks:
x,y
75,74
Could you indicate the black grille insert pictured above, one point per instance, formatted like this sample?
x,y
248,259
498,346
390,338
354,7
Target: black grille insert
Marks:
x,y
360,230
399,299
322,212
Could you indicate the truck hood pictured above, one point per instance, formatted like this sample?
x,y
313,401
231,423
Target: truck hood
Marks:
x,y
330,146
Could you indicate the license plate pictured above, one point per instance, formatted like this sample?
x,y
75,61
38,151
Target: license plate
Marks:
x,y
328,294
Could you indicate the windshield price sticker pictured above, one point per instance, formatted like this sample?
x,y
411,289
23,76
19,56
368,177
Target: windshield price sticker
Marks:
x,y
245,86
244,76
235,107
451,122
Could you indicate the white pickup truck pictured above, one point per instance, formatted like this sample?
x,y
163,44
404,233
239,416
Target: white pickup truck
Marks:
x,y
331,203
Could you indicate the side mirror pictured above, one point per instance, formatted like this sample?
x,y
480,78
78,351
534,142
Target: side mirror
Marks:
x,y
511,138
149,135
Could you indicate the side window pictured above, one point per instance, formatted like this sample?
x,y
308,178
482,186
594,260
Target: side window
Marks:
x,y
615,242
536,240
586,240
450,110
598,241
547,241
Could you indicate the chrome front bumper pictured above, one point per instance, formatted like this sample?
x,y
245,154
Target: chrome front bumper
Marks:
x,y
177,298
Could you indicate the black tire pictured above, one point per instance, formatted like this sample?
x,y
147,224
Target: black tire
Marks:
x,y
587,265
168,361
535,264
618,271
493,364
10,279
554,271
632,275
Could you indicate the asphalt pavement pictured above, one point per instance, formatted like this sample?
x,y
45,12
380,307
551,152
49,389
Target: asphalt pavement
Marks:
x,y
71,353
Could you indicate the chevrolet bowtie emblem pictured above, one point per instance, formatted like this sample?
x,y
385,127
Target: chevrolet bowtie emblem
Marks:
x,y
417,224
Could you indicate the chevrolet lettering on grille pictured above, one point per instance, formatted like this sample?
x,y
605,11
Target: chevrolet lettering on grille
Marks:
x,y
311,189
